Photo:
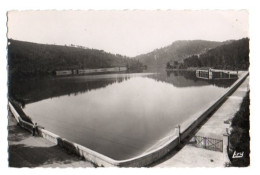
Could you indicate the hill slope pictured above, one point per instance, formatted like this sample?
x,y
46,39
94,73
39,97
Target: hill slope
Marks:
x,y
233,55
32,58
177,51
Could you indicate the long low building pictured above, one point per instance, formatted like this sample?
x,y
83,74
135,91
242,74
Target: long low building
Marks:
x,y
63,72
89,71
210,74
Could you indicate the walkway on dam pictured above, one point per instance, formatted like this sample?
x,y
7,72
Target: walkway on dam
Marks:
x,y
189,156
28,151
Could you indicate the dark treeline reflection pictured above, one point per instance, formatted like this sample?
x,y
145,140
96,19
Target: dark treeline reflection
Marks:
x,y
29,90
32,89
189,79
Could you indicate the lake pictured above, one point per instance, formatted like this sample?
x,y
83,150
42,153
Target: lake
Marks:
x,y
118,115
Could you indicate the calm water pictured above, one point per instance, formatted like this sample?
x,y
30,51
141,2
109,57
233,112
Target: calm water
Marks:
x,y
118,115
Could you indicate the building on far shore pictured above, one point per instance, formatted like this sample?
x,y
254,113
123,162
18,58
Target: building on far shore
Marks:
x,y
90,71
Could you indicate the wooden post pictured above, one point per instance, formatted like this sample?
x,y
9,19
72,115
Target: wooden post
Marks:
x,y
204,142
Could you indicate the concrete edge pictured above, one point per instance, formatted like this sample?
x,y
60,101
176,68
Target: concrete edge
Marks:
x,y
212,107
95,157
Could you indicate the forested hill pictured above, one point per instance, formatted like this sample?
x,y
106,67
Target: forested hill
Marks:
x,y
177,51
31,58
233,55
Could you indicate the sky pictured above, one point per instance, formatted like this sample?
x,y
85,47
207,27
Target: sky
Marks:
x,y
126,32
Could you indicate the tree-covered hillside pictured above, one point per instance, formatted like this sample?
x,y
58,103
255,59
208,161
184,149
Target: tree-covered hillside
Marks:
x,y
234,55
31,58
177,51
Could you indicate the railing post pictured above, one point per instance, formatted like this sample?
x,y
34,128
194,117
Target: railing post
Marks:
x,y
178,132
225,149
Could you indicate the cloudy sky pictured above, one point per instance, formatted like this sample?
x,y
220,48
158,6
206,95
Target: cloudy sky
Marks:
x,y
125,32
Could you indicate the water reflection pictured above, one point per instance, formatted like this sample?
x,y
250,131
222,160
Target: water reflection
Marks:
x,y
188,79
29,90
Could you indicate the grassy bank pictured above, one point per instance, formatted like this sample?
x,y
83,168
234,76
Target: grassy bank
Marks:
x,y
239,138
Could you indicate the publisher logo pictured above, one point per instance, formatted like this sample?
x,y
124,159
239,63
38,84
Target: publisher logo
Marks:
x,y
238,155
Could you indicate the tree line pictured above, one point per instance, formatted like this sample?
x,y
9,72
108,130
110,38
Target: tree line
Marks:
x,y
177,51
232,56
31,58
